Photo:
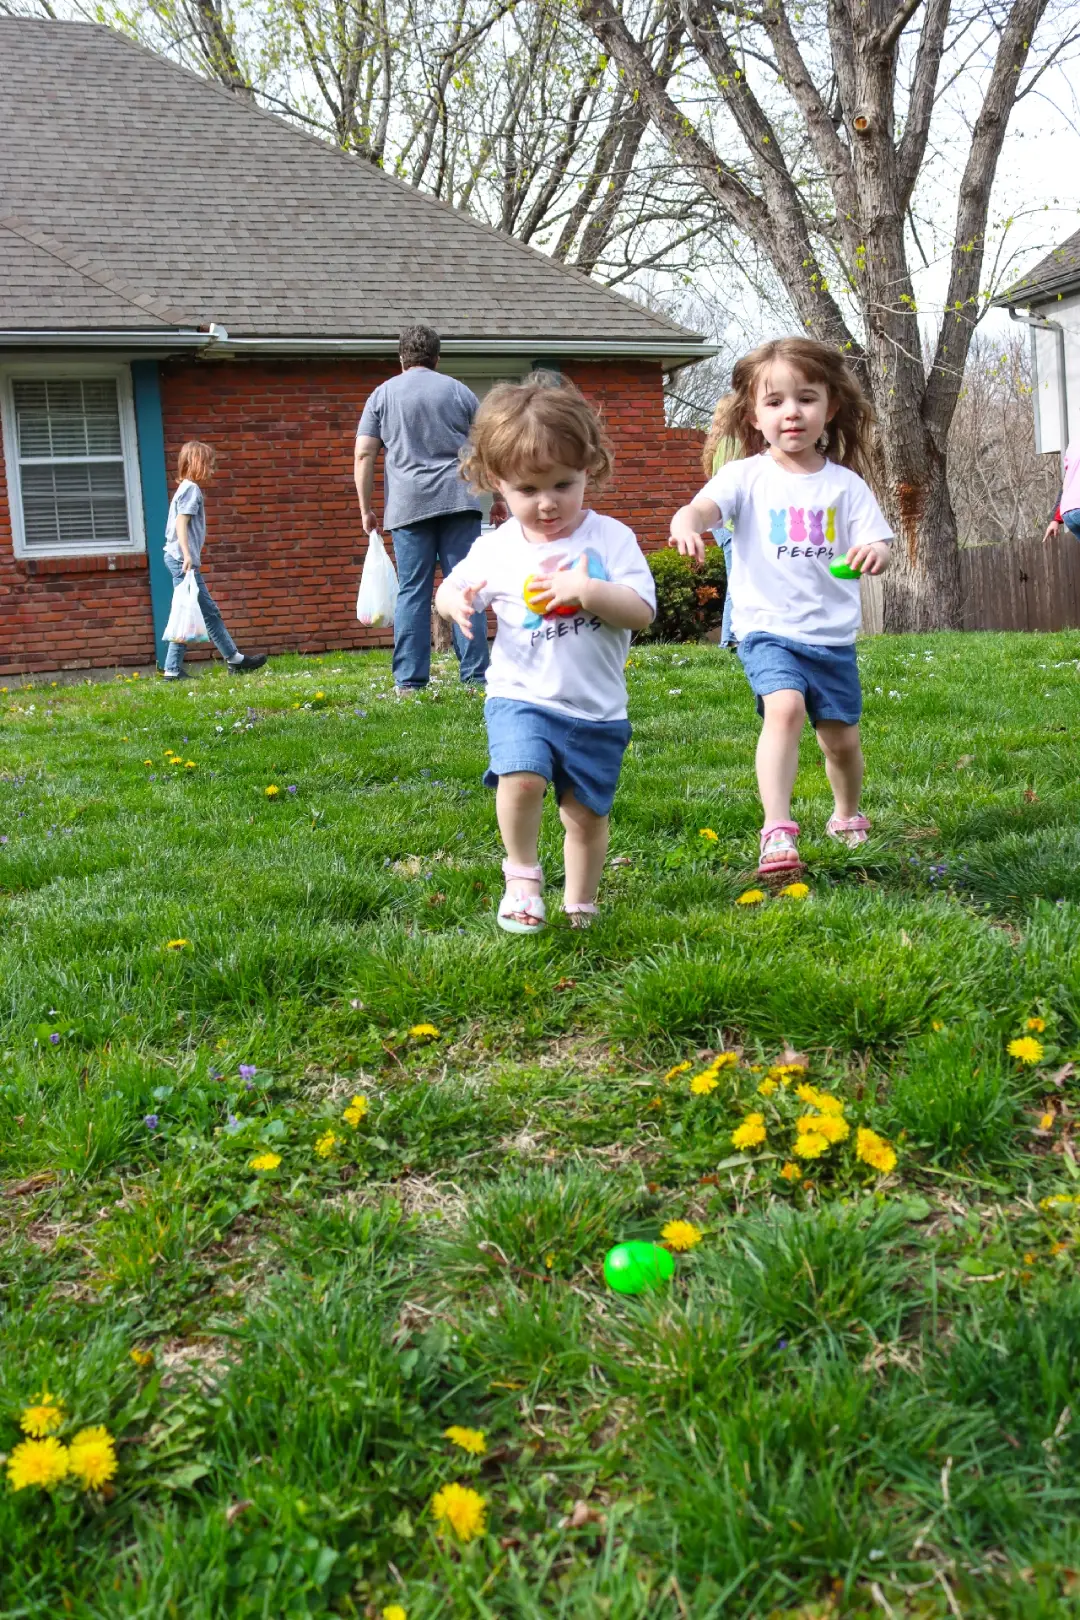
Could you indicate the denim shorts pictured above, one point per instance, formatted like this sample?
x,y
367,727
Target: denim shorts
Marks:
x,y
827,677
583,756
1071,520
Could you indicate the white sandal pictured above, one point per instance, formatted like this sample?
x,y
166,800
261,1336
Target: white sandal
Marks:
x,y
581,913
515,905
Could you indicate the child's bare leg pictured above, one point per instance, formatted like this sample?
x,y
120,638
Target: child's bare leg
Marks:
x,y
519,807
584,849
843,764
778,752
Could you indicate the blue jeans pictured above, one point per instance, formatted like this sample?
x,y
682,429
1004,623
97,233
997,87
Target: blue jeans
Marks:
x,y
417,548
726,637
1071,521
215,624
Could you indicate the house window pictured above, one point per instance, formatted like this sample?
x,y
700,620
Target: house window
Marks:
x,y
72,469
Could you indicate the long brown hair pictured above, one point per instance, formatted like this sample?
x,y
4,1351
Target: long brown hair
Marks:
x,y
847,432
197,461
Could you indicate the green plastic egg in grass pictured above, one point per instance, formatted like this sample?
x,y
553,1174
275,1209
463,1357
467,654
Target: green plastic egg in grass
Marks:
x,y
839,569
633,1268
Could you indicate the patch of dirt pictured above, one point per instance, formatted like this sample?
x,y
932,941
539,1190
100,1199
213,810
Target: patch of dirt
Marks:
x,y
206,1361
425,1196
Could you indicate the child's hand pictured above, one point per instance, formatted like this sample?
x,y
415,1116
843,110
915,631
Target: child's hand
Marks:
x,y
564,587
462,606
873,557
1052,530
685,537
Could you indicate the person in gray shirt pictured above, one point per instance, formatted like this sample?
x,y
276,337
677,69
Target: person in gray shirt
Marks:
x,y
422,419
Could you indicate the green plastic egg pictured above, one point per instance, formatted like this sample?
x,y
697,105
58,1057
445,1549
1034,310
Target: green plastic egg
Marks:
x,y
839,569
632,1268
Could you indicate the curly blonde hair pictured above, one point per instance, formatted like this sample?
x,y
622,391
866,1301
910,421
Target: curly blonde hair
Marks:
x,y
847,432
524,427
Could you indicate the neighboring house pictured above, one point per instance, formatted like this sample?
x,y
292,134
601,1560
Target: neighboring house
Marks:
x,y
1050,293
176,263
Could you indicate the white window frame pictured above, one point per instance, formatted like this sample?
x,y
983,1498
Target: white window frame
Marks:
x,y
38,371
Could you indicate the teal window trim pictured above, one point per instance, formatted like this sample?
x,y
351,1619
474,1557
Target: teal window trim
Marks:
x,y
146,389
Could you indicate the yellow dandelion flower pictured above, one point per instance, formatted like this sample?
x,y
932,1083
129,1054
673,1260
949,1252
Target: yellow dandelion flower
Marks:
x,y
808,1094
796,891
873,1150
681,1235
92,1458
766,1088
1056,1201
786,1072
190,765
1029,1259
37,1462
394,1611
708,834
791,1172
355,1111
473,1441
827,1104
724,1060
326,1144
937,1026
1058,1248
176,944
1036,1024
703,1083
1026,1049
811,1145
751,897
264,1161
148,762
656,1102
423,1032
44,1416
1046,1121
831,1126
177,759
751,1133
459,1509
142,1358
680,1068
272,791
320,694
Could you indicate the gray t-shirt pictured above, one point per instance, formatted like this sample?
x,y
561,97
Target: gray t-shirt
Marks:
x,y
422,419
188,500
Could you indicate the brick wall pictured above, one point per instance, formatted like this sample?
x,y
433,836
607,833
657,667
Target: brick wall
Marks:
x,y
285,547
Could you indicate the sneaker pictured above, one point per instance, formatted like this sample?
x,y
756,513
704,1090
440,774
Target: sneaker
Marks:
x,y
175,675
247,664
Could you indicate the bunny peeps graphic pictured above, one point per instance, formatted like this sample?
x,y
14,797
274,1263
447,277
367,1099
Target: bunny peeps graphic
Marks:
x,y
549,566
778,527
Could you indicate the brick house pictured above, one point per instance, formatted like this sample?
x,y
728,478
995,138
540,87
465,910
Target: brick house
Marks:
x,y
177,263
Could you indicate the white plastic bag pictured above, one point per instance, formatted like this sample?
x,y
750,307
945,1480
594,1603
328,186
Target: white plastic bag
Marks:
x,y
185,618
377,596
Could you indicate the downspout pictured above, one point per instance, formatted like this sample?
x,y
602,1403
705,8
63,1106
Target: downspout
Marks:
x,y
1042,324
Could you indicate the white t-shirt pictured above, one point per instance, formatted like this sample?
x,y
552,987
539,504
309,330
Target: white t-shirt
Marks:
x,y
788,529
571,662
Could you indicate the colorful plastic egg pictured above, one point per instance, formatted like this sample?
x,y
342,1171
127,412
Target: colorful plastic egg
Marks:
x,y
839,569
561,610
634,1268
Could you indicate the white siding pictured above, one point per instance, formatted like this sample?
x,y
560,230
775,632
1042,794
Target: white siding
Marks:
x,y
1066,311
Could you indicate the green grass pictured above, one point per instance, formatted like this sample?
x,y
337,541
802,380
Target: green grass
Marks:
x,y
857,1396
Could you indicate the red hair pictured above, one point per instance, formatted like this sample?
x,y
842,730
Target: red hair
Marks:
x,y
196,461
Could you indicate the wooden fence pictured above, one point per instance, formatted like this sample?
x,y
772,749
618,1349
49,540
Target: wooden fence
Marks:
x,y
1018,587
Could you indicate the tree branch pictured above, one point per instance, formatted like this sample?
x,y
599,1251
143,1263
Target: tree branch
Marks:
x,y
921,97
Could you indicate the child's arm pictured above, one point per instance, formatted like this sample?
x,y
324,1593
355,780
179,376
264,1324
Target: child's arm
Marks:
x,y
690,525
182,521
459,604
619,606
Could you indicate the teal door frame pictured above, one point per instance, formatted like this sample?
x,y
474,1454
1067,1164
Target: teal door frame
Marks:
x,y
150,430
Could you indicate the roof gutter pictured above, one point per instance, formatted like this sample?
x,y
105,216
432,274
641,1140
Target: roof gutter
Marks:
x,y
1042,324
155,338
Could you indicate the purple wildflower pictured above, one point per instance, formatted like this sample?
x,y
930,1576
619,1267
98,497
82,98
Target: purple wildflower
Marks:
x,y
247,1071
151,1122
291,789
3,838
54,1039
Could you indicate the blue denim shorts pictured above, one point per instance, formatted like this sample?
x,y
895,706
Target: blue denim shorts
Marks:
x,y
583,756
1071,520
827,677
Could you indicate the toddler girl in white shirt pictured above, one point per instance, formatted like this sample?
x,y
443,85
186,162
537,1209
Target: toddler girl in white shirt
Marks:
x,y
567,586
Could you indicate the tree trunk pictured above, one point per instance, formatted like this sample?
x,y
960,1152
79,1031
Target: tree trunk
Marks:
x,y
921,590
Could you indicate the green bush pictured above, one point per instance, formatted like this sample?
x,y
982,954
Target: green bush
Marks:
x,y
689,601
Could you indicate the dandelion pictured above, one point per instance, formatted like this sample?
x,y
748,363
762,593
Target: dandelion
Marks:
x,y
1046,1121
264,1161
791,1172
190,765
808,1094
785,1072
1056,1201
796,891
873,1150
680,1068
394,1611
703,1083
811,1145
43,1417
1058,1248
460,1509
148,762
937,1026
828,1104
831,1126
681,1235
751,1133
1036,1024
92,1457
326,1144
709,836
177,944
423,1032
355,1111
319,695
37,1462
470,1440
1026,1049
272,791
724,1060
751,897
142,1358
766,1088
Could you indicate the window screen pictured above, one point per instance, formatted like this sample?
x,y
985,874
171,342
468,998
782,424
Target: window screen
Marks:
x,y
71,464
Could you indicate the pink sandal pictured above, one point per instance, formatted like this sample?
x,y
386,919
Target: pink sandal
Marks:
x,y
779,852
849,830
581,913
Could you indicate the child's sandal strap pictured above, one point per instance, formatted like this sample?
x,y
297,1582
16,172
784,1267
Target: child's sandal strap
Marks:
x,y
511,869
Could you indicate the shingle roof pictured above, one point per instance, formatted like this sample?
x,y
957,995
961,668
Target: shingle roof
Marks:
x,y
134,194
1058,272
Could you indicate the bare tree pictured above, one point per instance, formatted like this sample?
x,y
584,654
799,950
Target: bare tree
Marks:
x,y
1001,490
809,128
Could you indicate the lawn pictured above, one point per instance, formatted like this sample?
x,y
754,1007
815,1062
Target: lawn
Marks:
x,y
856,1396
